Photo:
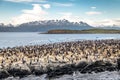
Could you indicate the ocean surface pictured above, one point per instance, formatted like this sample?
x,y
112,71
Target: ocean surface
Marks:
x,y
12,39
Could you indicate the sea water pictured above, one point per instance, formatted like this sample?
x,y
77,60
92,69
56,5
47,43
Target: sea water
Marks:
x,y
13,39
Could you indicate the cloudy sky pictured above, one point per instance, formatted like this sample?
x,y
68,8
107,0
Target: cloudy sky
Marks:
x,y
94,12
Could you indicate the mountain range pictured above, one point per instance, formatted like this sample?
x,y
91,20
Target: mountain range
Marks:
x,y
46,25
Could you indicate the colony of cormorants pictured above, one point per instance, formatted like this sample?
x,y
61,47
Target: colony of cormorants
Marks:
x,y
60,58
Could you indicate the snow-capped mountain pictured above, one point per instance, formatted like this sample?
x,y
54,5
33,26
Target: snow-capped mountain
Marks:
x,y
42,26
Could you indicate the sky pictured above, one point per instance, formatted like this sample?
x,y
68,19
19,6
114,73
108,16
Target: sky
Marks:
x,y
93,12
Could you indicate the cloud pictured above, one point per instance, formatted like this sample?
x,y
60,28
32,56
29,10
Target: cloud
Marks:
x,y
37,10
26,0
93,13
93,7
109,22
69,16
47,6
37,13
66,13
105,22
63,4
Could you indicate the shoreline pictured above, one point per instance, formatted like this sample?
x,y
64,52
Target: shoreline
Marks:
x,y
114,75
61,58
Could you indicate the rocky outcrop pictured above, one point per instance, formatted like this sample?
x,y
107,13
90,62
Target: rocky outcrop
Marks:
x,y
60,58
82,67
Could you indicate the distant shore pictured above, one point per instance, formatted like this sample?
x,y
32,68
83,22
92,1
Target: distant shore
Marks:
x,y
61,58
89,31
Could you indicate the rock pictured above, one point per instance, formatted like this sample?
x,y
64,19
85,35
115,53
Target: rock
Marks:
x,y
67,69
4,74
81,65
20,70
37,69
118,64
98,66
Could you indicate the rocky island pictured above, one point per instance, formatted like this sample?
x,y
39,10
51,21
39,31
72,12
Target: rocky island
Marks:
x,y
60,58
87,31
